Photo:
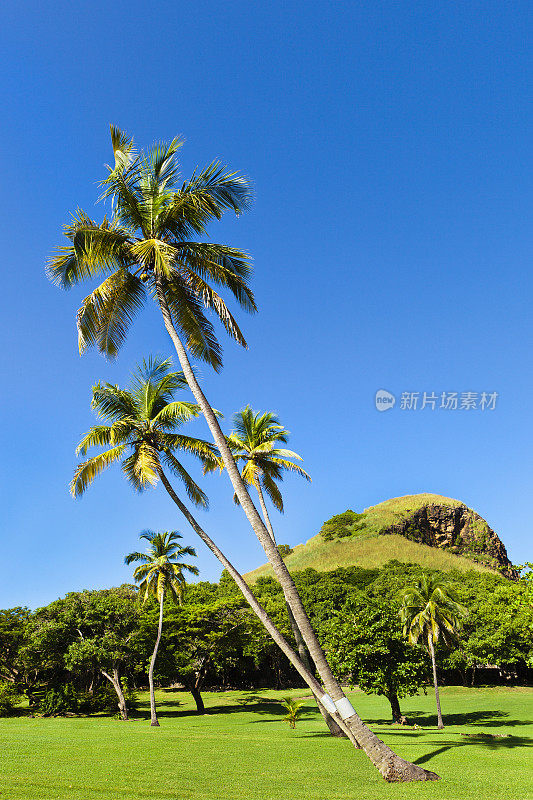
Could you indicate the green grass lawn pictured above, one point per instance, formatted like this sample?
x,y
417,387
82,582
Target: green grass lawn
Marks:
x,y
233,753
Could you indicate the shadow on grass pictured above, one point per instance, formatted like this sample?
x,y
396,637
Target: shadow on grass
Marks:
x,y
489,719
168,708
504,743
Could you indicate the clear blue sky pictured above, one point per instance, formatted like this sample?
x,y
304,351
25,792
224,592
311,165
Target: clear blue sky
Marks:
x,y
390,148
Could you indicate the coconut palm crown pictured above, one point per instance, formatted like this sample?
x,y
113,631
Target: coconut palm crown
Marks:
x,y
147,247
253,445
161,569
430,611
142,431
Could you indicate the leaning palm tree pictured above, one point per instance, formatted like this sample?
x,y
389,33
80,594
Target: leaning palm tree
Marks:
x,y
146,248
142,431
141,434
254,445
430,611
161,572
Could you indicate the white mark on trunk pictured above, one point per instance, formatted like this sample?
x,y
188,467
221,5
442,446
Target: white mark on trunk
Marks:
x,y
345,708
328,703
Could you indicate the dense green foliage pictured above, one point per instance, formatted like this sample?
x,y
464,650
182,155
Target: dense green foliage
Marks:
x,y
340,525
58,655
365,646
9,698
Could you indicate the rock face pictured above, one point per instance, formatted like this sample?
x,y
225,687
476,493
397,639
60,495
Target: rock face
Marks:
x,y
457,529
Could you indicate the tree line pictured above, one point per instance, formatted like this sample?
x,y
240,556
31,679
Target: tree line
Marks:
x,y
90,651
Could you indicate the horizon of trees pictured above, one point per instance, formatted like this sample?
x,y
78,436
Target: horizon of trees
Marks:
x,y
89,651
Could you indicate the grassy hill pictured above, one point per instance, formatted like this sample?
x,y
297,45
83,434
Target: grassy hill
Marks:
x,y
370,548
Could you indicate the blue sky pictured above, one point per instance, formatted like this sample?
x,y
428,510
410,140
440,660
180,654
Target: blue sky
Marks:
x,y
390,149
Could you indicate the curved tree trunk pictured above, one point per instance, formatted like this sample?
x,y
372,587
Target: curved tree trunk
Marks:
x,y
115,681
397,715
440,723
198,699
153,713
333,726
392,767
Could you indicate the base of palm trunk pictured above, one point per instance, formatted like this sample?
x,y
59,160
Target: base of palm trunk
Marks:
x,y
154,724
397,770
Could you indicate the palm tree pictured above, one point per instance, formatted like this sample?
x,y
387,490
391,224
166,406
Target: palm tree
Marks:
x,y
161,572
253,443
293,707
145,249
142,431
430,611
142,435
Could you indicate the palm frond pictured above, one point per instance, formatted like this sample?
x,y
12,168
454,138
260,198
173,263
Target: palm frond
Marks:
x,y
188,315
141,467
106,314
97,436
88,470
195,494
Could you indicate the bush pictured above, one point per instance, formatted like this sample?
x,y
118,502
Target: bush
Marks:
x,y
285,550
346,524
67,699
9,698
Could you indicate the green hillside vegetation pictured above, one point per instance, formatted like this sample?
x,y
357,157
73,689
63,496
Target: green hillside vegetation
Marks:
x,y
360,541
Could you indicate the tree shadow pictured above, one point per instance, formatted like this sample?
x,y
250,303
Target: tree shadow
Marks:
x,y
503,743
489,719
169,708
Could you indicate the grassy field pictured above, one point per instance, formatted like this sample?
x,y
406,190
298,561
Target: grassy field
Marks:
x,y
236,753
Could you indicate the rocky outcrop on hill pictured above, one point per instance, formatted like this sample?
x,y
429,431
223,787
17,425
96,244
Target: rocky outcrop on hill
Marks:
x,y
456,528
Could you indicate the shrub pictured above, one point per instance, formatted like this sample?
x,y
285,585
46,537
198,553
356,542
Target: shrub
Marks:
x,y
9,698
67,699
285,550
346,524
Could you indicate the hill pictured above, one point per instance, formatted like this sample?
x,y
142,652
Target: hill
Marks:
x,y
434,531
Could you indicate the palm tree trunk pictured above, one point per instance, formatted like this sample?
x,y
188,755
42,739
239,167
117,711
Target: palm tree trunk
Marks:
x,y
115,680
392,767
440,723
153,713
333,726
280,570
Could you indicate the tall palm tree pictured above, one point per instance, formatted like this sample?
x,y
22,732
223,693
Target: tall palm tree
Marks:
x,y
430,611
161,572
145,249
253,444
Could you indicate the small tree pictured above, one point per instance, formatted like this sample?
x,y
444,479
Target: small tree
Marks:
x,y
365,646
293,707
159,573
431,612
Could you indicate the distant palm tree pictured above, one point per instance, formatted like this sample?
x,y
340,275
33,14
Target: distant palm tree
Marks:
x,y
159,573
430,611
253,443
